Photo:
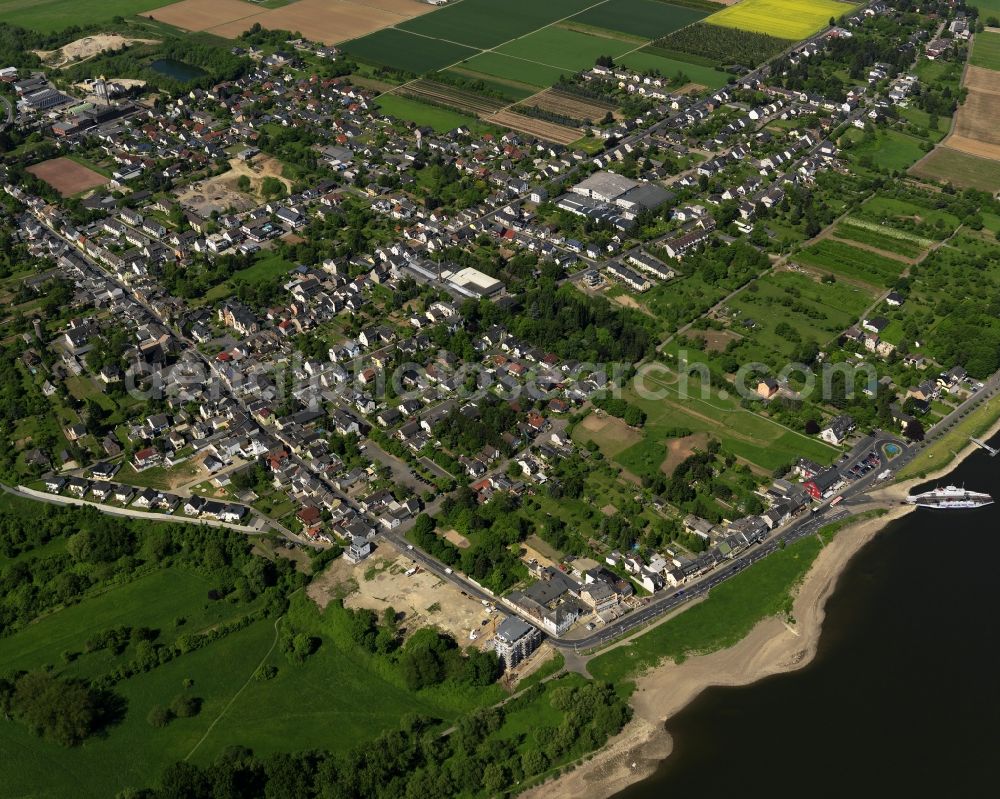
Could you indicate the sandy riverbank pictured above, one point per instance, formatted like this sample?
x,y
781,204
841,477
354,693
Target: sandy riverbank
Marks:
x,y
772,647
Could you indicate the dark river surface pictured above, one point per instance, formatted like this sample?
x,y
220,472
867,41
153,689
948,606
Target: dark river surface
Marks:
x,y
903,697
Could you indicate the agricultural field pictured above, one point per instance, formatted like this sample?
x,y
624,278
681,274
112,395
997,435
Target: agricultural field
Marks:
x,y
564,49
47,16
851,262
396,48
934,223
786,19
975,131
986,50
646,61
882,237
527,72
67,176
412,110
959,168
319,19
570,105
442,94
648,19
483,24
550,131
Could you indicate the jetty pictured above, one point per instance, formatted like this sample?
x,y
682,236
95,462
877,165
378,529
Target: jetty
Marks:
x,y
983,445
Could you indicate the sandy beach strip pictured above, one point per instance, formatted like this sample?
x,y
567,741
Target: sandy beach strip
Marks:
x,y
772,647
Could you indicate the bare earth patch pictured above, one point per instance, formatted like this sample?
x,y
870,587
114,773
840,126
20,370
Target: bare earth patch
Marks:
x,y
87,47
612,435
680,449
457,539
717,340
67,176
423,599
221,191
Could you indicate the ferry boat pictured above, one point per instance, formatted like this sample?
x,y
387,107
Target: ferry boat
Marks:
x,y
950,497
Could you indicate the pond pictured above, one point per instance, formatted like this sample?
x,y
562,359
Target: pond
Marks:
x,y
177,70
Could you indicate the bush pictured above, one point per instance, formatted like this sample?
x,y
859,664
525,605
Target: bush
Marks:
x,y
159,716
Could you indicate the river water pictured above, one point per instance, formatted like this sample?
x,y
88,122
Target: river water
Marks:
x,y
903,697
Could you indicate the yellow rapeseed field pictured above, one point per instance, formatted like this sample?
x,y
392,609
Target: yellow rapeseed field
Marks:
x,y
786,19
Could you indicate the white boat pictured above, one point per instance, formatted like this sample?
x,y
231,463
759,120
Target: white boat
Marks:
x,y
950,497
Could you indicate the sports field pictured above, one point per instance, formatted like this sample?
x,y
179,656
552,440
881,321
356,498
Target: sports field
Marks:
x,y
66,176
786,19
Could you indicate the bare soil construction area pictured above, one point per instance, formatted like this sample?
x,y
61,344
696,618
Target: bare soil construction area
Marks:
x,y
327,21
424,600
86,48
220,192
67,176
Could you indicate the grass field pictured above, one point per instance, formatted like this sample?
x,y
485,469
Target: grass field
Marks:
x,y
786,19
266,268
668,67
649,19
54,15
317,702
890,150
396,48
961,169
986,50
441,119
725,617
564,49
742,432
843,259
941,451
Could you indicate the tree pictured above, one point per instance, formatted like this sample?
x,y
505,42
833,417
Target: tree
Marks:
x,y
159,716
63,711
243,183
914,430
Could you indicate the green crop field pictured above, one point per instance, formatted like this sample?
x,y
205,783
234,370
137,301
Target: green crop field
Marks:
x,y
646,18
501,66
887,238
441,119
483,23
786,19
843,259
986,50
396,48
46,16
564,49
668,67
